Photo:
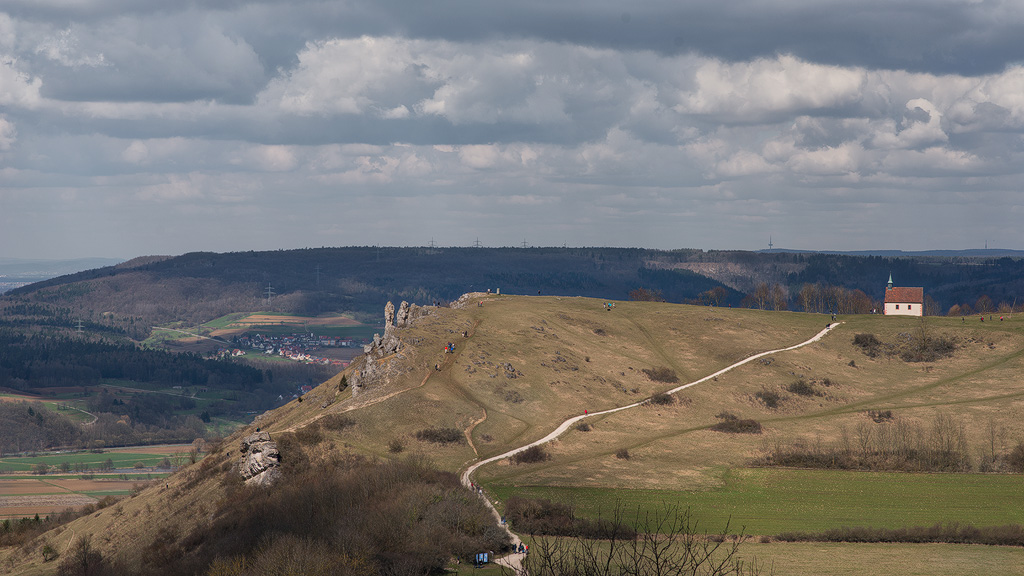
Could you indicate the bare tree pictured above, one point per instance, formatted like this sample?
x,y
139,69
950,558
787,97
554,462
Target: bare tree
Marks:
x,y
779,298
666,543
984,305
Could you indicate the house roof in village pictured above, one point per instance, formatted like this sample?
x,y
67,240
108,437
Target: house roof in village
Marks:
x,y
905,294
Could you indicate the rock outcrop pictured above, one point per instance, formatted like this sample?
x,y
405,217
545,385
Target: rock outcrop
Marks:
x,y
389,343
260,464
372,365
402,319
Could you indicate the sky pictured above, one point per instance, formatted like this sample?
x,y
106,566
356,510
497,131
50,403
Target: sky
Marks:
x,y
140,127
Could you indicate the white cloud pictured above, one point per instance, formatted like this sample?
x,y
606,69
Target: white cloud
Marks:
x,y
174,188
744,163
63,48
8,134
136,152
17,88
846,158
784,84
350,76
272,158
8,36
1005,90
933,161
913,131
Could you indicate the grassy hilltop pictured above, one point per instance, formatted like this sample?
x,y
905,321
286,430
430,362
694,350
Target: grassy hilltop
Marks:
x,y
525,364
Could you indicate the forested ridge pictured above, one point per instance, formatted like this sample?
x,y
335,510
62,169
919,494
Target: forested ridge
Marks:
x,y
38,361
197,287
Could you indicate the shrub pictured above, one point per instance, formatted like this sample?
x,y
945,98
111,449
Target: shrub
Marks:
x,y
662,399
622,454
803,388
661,374
395,446
1006,535
310,434
880,416
513,397
736,425
337,421
927,349
544,517
887,446
83,560
646,295
531,455
441,435
769,398
868,344
1016,458
583,427
294,458
49,553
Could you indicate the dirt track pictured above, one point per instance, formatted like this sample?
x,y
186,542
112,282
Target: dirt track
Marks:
x,y
514,561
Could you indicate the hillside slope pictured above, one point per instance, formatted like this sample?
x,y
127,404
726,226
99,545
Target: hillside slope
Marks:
x,y
521,365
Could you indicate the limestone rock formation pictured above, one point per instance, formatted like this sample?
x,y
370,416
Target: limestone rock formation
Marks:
x,y
373,365
260,464
402,319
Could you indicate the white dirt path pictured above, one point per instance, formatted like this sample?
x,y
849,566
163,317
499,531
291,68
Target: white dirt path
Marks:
x,y
515,561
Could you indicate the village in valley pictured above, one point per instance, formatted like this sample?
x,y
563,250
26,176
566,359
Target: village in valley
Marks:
x,y
299,347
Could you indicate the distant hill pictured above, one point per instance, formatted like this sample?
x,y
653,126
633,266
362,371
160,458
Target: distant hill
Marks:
x,y
17,272
197,287
200,286
973,253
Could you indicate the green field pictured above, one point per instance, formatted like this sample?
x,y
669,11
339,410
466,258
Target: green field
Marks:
x,y
225,321
770,501
843,559
72,408
354,332
289,324
122,459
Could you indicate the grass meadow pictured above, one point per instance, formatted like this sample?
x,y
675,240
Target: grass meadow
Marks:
x,y
765,501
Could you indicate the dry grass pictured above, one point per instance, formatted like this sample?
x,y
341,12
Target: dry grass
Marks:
x,y
813,559
547,340
977,386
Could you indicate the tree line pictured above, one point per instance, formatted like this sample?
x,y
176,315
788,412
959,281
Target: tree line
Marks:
x,y
29,427
40,361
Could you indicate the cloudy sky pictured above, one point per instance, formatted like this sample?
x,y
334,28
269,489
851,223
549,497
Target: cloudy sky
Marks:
x,y
131,127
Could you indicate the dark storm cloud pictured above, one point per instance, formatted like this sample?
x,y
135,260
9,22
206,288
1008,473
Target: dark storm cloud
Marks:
x,y
931,36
